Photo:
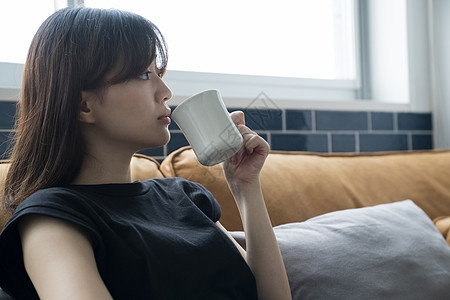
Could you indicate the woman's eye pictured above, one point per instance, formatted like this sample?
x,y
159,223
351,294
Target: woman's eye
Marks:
x,y
161,72
145,76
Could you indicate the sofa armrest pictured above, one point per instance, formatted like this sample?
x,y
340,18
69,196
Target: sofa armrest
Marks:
x,y
443,225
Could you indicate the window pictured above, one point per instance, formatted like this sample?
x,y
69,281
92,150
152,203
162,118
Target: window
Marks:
x,y
285,48
350,49
293,49
19,21
285,38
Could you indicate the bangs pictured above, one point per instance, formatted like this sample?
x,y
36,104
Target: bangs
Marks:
x,y
139,44
122,44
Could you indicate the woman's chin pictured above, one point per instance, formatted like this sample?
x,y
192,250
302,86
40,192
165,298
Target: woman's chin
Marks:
x,y
162,141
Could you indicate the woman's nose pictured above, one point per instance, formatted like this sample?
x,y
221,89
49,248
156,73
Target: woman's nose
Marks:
x,y
166,92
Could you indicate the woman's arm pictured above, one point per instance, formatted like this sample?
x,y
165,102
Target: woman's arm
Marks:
x,y
59,260
263,254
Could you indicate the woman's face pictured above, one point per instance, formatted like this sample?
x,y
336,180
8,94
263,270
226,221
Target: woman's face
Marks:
x,y
134,115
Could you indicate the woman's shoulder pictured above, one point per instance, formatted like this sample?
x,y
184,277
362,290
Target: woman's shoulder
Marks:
x,y
198,194
49,196
180,182
57,202
56,191
177,184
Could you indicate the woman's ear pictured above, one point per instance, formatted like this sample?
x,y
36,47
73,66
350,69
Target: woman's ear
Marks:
x,y
86,114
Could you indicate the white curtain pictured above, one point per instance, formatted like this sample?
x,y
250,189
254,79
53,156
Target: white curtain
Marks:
x,y
440,60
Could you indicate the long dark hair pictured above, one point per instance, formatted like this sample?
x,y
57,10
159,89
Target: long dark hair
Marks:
x,y
73,51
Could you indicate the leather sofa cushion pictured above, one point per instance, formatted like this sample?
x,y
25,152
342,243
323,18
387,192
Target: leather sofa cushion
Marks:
x,y
301,185
4,166
144,167
443,225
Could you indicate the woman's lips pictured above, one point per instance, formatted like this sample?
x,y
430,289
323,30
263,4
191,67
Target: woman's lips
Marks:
x,y
165,118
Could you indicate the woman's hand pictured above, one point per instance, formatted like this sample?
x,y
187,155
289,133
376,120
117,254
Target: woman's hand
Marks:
x,y
245,165
263,254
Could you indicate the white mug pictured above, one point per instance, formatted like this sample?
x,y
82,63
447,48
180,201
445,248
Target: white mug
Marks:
x,y
207,125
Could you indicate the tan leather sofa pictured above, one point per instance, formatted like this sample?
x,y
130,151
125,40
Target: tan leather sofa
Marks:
x,y
301,185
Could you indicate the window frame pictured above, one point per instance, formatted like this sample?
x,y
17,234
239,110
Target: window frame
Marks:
x,y
285,89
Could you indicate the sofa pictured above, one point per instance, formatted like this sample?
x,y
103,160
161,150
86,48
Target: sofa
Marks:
x,y
349,226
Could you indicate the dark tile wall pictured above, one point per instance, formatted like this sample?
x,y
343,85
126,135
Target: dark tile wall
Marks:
x,y
334,131
7,111
306,130
4,136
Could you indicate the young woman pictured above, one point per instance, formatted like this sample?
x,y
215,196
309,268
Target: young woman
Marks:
x,y
92,96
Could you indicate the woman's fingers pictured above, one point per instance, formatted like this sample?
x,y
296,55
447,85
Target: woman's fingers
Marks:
x,y
238,117
251,139
244,130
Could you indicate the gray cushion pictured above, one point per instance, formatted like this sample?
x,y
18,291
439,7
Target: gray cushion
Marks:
x,y
4,296
388,251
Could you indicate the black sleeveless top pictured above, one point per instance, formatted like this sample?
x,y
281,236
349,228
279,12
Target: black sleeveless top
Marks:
x,y
152,240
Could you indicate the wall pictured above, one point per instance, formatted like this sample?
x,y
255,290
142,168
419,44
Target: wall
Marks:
x,y
305,130
7,111
329,131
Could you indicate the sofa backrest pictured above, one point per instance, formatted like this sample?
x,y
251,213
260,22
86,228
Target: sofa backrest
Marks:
x,y
301,185
142,167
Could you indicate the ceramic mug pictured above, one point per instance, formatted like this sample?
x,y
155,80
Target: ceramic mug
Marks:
x,y
207,125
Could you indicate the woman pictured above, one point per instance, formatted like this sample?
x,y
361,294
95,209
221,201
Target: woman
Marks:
x,y
92,96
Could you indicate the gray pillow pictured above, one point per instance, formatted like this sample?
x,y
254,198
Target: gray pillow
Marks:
x,y
4,296
388,251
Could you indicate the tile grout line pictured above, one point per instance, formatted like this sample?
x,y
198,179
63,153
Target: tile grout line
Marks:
x,y
313,120
395,120
357,146
329,141
410,144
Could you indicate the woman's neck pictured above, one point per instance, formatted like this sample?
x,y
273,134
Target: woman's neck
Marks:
x,y
106,169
